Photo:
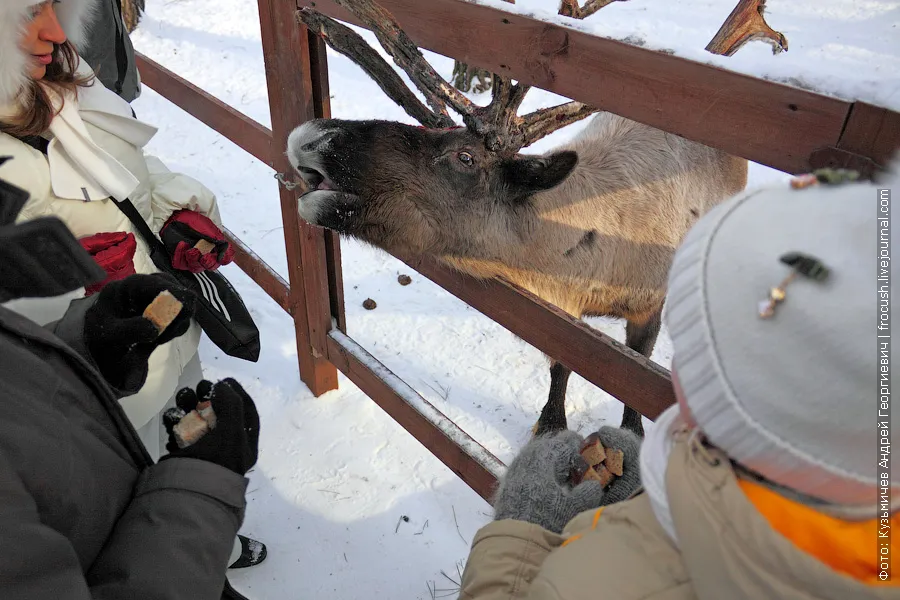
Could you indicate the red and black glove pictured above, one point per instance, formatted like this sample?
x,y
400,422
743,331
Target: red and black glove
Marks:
x,y
114,252
195,243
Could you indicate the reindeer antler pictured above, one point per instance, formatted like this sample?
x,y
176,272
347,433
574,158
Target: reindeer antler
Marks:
x,y
497,123
571,8
353,46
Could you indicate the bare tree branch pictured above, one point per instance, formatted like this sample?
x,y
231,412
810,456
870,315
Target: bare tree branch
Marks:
x,y
408,57
346,41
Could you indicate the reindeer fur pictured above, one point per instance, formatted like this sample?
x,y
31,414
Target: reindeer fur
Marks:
x,y
599,243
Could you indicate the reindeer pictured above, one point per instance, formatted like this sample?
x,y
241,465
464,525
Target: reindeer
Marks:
x,y
590,227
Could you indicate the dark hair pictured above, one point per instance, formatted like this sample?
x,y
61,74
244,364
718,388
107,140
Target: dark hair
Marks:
x,y
37,110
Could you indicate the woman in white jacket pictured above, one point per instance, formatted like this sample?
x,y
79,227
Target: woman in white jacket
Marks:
x,y
76,146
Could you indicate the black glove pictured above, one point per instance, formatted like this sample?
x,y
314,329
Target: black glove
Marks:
x,y
119,339
234,442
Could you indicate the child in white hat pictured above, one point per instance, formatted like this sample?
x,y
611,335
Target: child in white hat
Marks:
x,y
768,479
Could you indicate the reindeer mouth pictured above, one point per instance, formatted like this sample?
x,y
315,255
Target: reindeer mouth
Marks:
x,y
315,181
323,203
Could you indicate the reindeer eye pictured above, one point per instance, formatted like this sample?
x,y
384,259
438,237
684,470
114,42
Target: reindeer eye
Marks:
x,y
466,158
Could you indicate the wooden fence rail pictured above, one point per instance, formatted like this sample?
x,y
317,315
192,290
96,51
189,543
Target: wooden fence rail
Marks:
x,y
789,129
769,123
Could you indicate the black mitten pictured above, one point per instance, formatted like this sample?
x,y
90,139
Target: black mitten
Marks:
x,y
234,441
119,339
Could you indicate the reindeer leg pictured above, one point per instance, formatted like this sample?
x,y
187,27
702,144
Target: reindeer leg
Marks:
x,y
553,416
640,337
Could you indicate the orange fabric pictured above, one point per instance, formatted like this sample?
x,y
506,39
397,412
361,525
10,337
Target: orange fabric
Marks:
x,y
593,526
848,547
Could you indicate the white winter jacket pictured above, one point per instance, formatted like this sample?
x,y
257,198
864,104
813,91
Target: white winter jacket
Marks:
x,y
57,185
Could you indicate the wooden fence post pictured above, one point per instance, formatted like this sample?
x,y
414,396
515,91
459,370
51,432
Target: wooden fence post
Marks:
x,y
292,101
318,62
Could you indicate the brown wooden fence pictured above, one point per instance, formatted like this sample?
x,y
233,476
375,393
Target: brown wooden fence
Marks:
x,y
789,129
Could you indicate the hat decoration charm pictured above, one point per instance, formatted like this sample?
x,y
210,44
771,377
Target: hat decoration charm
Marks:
x,y
802,265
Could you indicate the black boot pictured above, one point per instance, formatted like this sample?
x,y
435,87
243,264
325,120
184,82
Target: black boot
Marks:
x,y
252,553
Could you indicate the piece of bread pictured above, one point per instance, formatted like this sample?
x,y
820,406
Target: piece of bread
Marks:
x,y
206,411
189,429
163,310
603,475
615,461
603,464
593,451
204,246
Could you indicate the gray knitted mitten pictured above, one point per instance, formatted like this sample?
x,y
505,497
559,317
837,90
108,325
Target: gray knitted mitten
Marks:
x,y
630,445
536,487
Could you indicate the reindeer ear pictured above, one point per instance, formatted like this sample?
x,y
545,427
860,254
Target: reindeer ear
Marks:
x,y
530,174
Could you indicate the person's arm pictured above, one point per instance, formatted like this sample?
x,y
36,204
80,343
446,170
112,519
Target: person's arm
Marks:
x,y
186,216
174,539
39,563
171,192
506,557
172,542
534,503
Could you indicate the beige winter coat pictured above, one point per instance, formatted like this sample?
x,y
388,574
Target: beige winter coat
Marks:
x,y
109,121
737,541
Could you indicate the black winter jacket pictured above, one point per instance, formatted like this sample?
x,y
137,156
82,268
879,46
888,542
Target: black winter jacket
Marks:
x,y
84,513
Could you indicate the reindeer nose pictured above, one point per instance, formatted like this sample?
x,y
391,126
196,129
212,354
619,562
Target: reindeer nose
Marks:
x,y
322,143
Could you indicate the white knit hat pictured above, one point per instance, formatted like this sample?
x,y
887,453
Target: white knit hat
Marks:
x,y
794,397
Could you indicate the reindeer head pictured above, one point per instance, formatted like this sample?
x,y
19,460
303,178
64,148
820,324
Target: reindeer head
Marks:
x,y
409,188
439,188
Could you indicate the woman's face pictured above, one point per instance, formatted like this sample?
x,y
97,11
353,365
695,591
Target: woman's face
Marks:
x,y
41,32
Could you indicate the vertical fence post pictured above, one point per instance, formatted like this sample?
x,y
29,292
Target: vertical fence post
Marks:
x,y
318,60
292,100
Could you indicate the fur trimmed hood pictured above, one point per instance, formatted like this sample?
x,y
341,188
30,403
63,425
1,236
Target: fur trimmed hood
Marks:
x,y
74,16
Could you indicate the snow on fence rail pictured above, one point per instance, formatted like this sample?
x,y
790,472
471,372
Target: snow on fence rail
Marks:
x,y
780,126
791,130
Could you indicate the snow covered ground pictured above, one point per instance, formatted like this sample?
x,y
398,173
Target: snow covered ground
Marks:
x,y
336,474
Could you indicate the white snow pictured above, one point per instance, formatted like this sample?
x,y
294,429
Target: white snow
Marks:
x,y
335,473
843,48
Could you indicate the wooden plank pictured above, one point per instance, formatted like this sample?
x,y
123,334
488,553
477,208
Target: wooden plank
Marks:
x,y
471,462
871,131
765,122
625,374
286,52
318,57
256,268
233,124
